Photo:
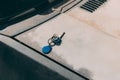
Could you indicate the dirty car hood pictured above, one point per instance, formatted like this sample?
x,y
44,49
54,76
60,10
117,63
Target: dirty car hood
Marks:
x,y
91,43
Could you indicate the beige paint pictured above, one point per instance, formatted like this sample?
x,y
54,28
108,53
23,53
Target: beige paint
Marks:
x,y
106,18
91,42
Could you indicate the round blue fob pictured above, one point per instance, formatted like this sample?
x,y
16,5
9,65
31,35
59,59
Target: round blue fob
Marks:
x,y
46,49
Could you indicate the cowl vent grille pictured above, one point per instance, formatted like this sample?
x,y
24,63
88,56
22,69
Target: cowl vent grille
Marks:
x,y
92,5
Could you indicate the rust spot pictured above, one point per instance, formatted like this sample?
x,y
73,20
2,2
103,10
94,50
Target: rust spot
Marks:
x,y
117,32
92,24
85,21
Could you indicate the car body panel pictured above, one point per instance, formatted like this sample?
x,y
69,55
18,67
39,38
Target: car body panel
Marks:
x,y
90,46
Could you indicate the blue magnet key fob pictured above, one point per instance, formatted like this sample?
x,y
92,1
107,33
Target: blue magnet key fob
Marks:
x,y
54,40
47,49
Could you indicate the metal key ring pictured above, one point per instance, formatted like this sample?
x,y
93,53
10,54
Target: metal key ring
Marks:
x,y
50,42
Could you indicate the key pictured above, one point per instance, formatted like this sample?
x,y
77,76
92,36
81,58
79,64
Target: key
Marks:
x,y
54,40
62,35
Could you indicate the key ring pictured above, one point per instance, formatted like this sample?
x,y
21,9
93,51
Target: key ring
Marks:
x,y
50,42
54,40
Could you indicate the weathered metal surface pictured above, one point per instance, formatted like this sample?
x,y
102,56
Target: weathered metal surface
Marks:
x,y
106,18
91,45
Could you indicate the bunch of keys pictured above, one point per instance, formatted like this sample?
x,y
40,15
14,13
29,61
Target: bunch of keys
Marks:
x,y
53,41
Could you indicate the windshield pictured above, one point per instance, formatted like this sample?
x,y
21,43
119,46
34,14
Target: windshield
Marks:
x,y
12,8
9,7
